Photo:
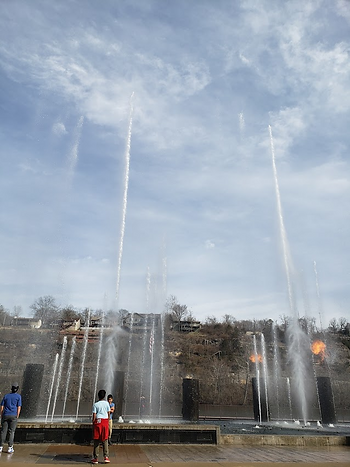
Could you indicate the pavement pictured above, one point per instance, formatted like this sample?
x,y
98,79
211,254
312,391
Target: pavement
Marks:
x,y
175,455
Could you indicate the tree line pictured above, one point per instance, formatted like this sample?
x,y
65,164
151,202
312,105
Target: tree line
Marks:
x,y
48,311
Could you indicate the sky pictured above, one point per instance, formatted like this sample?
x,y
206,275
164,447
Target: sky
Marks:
x,y
136,158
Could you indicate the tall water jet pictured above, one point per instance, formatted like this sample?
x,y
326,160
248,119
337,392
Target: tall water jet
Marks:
x,y
143,360
59,375
73,154
162,324
69,372
54,370
151,351
71,162
82,365
257,372
277,369
265,372
111,344
283,234
125,197
98,363
296,335
320,309
127,379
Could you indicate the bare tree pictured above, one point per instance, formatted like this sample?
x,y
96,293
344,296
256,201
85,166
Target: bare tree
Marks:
x,y
333,325
342,324
229,319
175,309
45,308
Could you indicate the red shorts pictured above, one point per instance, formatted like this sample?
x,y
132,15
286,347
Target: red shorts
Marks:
x,y
100,429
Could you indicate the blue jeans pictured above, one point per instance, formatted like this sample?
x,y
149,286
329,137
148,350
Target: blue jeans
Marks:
x,y
8,423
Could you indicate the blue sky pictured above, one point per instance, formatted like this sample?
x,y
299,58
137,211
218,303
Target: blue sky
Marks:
x,y
208,79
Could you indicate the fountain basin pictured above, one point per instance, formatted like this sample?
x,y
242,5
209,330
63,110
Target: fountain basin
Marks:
x,y
222,432
124,433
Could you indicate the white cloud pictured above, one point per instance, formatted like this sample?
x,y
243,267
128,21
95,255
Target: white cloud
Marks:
x,y
59,129
198,175
209,244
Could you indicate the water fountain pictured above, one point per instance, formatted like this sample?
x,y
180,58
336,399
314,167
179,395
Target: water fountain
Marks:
x,y
145,345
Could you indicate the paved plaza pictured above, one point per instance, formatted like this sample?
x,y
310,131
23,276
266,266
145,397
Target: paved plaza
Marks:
x,y
179,455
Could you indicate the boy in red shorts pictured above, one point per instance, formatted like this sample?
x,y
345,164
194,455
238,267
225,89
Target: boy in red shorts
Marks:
x,y
100,426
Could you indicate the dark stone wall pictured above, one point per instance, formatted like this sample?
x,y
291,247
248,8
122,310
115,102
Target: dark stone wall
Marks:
x,y
32,379
326,400
190,406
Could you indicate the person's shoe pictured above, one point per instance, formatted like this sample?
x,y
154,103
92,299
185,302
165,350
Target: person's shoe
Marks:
x,y
10,450
107,461
94,461
1,447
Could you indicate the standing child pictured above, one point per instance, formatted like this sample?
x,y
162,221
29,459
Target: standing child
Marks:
x,y
111,409
100,426
10,409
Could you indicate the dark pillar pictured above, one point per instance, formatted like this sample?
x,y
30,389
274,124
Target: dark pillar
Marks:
x,y
32,379
326,400
260,410
190,399
118,393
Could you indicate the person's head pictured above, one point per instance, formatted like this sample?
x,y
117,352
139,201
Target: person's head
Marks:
x,y
14,387
110,398
101,394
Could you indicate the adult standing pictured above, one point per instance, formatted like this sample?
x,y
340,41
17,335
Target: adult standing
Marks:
x,y
100,426
11,405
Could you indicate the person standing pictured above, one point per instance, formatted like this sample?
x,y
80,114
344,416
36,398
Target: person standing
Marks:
x,y
112,409
100,426
11,405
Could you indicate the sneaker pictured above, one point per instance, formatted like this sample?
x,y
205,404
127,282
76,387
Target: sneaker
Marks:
x,y
107,461
94,461
10,450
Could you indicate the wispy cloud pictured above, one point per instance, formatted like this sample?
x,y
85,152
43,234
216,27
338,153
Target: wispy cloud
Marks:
x,y
207,85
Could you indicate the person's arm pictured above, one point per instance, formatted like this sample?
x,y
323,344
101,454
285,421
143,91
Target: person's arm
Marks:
x,y
2,409
18,410
93,417
112,408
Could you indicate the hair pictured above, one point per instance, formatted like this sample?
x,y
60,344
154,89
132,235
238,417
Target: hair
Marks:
x,y
14,388
101,394
109,396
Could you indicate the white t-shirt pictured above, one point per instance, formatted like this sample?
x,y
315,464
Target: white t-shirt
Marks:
x,y
101,409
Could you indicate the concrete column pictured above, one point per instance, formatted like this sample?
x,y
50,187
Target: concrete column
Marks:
x,y
260,408
32,379
118,393
326,400
190,399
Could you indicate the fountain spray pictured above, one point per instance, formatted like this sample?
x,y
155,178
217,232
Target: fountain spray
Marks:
x,y
73,154
51,385
82,365
125,197
58,382
320,310
298,340
111,342
69,372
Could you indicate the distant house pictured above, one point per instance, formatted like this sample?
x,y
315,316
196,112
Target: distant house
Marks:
x,y
27,323
95,322
139,322
71,325
186,326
